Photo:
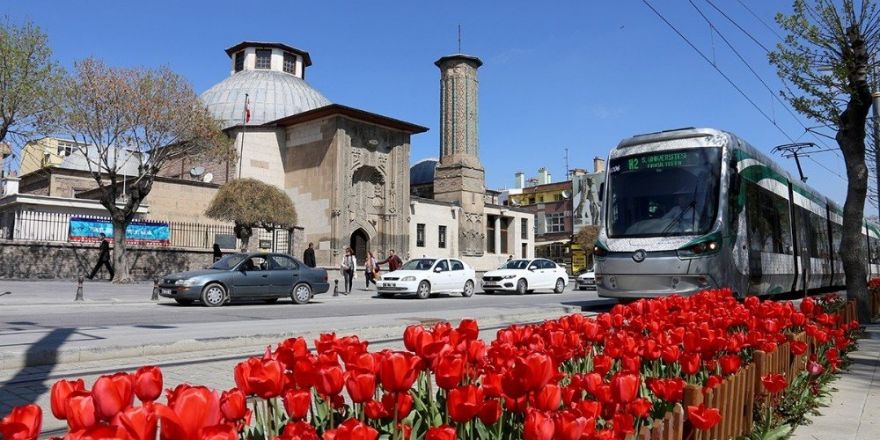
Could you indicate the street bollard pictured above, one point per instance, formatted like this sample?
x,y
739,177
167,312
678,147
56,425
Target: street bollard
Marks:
x,y
155,296
79,289
335,287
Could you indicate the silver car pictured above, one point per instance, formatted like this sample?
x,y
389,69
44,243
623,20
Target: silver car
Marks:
x,y
249,276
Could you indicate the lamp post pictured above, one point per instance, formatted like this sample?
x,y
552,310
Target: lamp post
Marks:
x,y
875,98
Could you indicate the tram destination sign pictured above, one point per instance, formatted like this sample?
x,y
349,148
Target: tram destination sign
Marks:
x,y
664,159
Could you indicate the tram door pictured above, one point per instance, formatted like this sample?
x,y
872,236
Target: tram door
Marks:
x,y
804,245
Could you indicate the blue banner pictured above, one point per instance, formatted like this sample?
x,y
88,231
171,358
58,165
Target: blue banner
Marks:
x,y
137,232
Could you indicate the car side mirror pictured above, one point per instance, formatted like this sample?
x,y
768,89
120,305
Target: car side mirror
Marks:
x,y
438,269
532,268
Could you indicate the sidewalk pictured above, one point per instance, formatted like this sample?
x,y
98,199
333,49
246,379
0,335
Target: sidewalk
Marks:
x,y
854,410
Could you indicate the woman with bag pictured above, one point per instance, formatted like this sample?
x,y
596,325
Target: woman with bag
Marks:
x,y
349,263
371,269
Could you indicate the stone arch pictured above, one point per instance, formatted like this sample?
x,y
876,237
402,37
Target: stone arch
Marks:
x,y
368,192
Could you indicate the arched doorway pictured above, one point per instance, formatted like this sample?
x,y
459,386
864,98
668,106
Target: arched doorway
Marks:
x,y
360,242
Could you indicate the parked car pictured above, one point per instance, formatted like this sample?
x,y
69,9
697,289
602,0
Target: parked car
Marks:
x,y
587,280
260,275
428,276
526,275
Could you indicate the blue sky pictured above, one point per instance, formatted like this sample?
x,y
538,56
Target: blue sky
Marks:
x,y
580,75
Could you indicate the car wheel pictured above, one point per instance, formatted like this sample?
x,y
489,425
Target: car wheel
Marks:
x,y
301,293
184,302
214,295
521,286
468,290
270,300
424,290
560,286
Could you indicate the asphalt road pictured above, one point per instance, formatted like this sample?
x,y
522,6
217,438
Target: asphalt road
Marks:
x,y
359,303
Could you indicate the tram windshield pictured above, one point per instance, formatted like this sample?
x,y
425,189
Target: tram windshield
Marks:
x,y
663,193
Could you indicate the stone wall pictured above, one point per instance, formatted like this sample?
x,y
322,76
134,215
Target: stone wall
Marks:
x,y
41,260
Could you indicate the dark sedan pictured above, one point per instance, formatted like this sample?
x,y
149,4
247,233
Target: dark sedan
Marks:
x,y
247,276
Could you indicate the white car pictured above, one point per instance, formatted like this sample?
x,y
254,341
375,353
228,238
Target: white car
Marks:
x,y
428,276
526,275
587,280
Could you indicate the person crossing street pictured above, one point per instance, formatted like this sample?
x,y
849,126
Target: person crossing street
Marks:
x,y
103,258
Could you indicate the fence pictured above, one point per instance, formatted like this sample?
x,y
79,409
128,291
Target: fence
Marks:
x,y
55,227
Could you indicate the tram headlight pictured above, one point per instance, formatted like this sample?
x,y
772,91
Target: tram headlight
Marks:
x,y
599,250
706,246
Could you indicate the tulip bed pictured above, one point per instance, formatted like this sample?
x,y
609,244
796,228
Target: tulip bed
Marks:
x,y
612,376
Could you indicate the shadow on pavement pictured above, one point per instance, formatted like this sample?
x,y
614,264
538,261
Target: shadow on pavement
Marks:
x,y
44,355
593,305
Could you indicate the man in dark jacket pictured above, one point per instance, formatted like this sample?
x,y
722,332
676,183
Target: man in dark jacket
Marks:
x,y
309,256
393,261
103,258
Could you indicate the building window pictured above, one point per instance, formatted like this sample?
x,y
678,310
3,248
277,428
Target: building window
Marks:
x,y
556,222
290,63
490,235
531,200
441,238
65,149
557,197
239,61
505,225
420,235
264,59
524,229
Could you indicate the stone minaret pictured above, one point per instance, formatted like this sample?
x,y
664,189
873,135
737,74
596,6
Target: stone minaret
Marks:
x,y
460,176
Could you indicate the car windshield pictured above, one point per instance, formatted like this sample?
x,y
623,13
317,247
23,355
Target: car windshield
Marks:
x,y
228,262
419,264
515,264
664,193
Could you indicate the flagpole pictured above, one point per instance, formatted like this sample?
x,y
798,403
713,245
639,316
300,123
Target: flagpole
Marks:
x,y
243,131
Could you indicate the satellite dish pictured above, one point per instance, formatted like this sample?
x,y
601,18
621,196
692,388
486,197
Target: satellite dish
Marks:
x,y
196,171
208,178
566,194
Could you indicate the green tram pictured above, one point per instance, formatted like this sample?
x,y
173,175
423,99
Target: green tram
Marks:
x,y
697,208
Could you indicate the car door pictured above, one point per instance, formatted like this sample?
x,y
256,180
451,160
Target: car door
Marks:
x,y
553,273
546,274
440,276
457,275
283,274
252,278
533,274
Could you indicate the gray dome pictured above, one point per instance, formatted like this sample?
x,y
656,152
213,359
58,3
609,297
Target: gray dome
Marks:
x,y
423,172
272,95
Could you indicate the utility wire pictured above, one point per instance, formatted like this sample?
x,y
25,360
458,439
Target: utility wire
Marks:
x,y
761,20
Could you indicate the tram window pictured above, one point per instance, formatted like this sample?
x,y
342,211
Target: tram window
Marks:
x,y
875,250
768,220
819,242
836,236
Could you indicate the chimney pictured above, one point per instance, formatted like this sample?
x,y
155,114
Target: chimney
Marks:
x,y
543,176
520,180
10,185
598,164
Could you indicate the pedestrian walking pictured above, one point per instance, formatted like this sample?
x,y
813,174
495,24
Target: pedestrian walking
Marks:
x,y
348,266
393,261
218,254
309,256
371,270
103,258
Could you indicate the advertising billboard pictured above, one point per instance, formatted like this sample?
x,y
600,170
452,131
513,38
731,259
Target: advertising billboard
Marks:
x,y
83,229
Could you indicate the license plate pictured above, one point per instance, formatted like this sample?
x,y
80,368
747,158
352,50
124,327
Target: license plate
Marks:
x,y
165,291
390,285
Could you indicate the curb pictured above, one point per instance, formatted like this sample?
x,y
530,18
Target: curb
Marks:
x,y
60,356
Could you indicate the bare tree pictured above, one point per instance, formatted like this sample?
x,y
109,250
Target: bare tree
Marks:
x,y
586,239
826,57
251,204
28,81
120,117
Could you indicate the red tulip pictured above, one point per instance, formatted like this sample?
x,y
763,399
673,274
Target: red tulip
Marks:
x,y
112,394
261,377
490,413
670,354
690,363
194,409
330,380
729,363
403,403
99,432
442,432
297,403
398,371
623,423
80,410
468,329
219,432
464,403
798,347
449,371
548,398
602,364
139,423
570,426
491,384
814,368
639,407
774,383
148,383
360,386
703,418
625,387
61,390
538,426
539,371
233,405
22,423
374,410
298,431
351,429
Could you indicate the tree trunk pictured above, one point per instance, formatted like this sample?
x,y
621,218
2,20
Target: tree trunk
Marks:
x,y
122,273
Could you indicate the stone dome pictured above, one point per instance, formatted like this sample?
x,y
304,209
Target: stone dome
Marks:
x,y
423,171
272,95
